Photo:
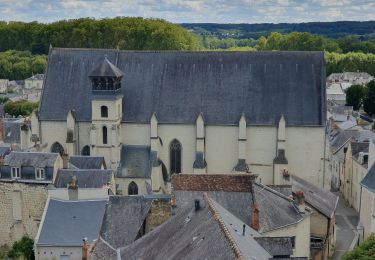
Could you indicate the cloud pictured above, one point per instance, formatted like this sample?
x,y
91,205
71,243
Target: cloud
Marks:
x,y
219,11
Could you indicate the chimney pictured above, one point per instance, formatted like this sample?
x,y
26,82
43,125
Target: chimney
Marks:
x,y
73,189
197,205
87,249
65,158
300,200
255,217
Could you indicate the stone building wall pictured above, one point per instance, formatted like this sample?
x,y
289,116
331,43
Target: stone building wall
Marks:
x,y
160,212
21,209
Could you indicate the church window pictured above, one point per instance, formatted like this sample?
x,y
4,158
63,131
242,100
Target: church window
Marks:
x,y
105,139
104,111
175,156
57,148
86,151
133,188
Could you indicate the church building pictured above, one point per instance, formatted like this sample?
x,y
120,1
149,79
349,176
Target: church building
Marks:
x,y
154,114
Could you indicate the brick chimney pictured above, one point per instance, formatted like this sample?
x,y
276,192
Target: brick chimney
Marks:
x,y
299,198
87,249
73,189
255,217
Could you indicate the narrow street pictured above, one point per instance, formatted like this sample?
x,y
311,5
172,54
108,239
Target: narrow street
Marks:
x,y
346,223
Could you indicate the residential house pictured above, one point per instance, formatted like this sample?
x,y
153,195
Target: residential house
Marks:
x,y
360,78
119,98
355,169
335,93
24,178
66,225
323,204
127,218
34,82
4,85
269,212
204,229
338,142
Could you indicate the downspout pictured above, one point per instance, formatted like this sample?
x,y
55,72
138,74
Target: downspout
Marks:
x,y
324,154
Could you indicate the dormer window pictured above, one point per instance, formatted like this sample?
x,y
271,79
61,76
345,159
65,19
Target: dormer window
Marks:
x,y
16,172
104,111
40,174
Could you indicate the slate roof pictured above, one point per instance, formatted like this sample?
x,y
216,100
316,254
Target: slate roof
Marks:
x,y
344,136
276,246
275,209
4,150
198,234
87,162
12,131
66,223
221,85
123,218
135,161
86,178
358,147
323,201
36,77
35,159
369,180
106,69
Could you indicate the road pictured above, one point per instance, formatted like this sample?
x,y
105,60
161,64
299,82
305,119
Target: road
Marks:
x,y
346,223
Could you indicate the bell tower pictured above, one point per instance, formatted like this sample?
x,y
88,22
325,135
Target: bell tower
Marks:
x,y
106,111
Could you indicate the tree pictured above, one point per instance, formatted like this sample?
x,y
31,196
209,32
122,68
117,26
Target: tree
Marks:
x,y
22,249
20,108
366,250
354,96
369,100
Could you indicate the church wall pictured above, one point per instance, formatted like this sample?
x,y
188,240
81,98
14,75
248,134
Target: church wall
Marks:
x,y
221,148
261,150
304,146
304,151
185,134
135,134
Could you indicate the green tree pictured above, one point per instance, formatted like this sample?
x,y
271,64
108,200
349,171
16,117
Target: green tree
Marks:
x,y
22,249
20,108
354,96
366,250
369,100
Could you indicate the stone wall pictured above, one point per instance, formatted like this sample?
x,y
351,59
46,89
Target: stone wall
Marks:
x,y
213,182
21,209
160,212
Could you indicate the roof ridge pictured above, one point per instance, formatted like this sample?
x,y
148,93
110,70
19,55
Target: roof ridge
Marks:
x,y
228,236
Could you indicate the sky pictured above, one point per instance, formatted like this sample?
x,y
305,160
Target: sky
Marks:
x,y
192,11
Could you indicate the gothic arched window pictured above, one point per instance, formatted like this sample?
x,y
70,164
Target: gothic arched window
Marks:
x,y
57,148
86,151
175,156
104,111
105,139
133,188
